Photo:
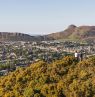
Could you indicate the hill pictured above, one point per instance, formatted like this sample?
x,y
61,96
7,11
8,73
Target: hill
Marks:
x,y
63,78
73,32
9,36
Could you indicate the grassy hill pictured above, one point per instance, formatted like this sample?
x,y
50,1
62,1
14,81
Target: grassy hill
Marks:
x,y
62,78
75,33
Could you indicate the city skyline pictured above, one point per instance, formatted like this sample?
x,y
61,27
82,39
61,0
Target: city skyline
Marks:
x,y
44,16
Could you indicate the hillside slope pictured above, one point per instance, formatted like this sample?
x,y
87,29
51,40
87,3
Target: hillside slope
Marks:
x,y
73,32
62,78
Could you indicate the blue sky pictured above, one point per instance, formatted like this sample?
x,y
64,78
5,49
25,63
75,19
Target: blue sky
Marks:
x,y
44,16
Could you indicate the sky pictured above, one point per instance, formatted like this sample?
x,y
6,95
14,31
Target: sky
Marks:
x,y
44,16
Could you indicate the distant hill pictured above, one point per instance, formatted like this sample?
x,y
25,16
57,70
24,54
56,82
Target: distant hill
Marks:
x,y
74,32
14,36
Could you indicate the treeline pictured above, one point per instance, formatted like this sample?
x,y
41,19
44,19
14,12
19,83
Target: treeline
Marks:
x,y
61,78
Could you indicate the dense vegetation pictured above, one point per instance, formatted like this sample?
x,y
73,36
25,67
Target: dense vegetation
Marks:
x,y
62,78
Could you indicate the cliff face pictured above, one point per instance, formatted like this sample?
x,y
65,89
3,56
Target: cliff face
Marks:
x,y
7,36
73,32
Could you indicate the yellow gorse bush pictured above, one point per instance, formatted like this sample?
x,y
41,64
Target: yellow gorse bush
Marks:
x,y
63,78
